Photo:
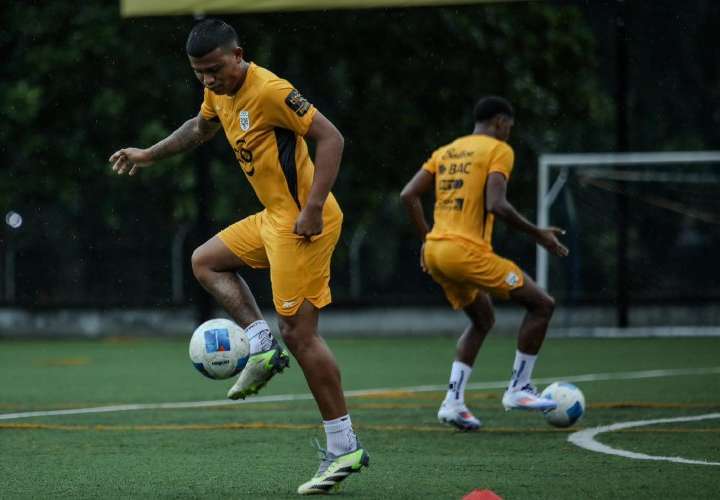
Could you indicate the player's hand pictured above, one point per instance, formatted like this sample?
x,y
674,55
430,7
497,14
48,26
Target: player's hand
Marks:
x,y
548,239
309,223
130,159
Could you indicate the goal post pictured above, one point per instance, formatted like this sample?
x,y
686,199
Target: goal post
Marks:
x,y
651,176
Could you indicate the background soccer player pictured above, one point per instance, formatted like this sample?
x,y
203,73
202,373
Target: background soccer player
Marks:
x,y
265,120
470,178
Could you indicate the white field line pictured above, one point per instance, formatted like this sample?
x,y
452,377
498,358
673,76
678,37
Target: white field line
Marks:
x,y
500,384
586,439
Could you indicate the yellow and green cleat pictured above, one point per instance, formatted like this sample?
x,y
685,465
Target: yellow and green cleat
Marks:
x,y
260,368
333,470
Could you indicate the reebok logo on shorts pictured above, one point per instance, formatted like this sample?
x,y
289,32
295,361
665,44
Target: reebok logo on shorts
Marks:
x,y
288,304
512,279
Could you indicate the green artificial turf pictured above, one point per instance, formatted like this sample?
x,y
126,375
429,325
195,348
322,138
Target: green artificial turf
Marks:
x,y
262,450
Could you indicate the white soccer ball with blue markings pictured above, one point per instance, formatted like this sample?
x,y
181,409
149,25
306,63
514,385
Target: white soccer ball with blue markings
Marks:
x,y
570,404
219,348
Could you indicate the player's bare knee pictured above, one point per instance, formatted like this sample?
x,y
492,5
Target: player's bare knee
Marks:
x,y
546,306
489,323
200,264
483,324
298,337
481,314
541,305
290,335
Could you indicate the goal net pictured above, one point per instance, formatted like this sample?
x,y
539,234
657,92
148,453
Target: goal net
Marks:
x,y
643,231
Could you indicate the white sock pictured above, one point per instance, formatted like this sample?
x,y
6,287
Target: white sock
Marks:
x,y
340,436
522,370
459,376
258,333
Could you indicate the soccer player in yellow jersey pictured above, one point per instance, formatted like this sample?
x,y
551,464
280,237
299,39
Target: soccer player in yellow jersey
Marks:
x,y
266,121
470,177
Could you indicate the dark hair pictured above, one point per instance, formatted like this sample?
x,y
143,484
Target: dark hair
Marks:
x,y
491,106
209,34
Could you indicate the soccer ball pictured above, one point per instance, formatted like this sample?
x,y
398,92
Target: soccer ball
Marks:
x,y
219,348
570,404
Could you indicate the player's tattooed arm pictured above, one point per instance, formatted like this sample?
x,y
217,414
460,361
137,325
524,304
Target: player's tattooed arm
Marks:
x,y
189,135
497,203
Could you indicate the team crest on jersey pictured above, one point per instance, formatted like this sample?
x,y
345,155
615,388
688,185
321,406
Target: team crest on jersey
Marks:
x,y
512,279
244,121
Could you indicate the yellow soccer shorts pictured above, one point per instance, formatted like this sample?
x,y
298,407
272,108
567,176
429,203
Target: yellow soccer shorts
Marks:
x,y
299,269
464,269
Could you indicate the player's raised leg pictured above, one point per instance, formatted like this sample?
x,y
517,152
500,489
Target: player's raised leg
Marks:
x,y
215,267
344,454
521,393
453,410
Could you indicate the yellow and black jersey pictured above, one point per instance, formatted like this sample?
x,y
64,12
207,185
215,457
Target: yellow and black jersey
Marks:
x,y
265,122
461,170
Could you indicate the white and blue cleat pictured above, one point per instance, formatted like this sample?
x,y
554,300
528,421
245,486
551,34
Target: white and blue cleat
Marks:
x,y
458,416
527,398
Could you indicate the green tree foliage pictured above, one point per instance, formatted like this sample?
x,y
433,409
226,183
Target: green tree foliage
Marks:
x,y
80,82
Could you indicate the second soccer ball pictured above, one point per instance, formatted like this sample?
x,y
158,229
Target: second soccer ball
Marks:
x,y
570,404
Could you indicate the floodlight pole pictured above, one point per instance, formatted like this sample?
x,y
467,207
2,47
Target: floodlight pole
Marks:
x,y
621,128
